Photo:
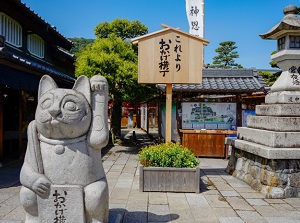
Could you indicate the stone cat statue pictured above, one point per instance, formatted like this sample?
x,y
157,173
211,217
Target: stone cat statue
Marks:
x,y
64,146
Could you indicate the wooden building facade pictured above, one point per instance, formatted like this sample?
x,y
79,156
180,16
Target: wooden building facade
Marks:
x,y
29,48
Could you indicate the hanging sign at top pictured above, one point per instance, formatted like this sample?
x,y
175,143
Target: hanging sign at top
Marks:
x,y
195,15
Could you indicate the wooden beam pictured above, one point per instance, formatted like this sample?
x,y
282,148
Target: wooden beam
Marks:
x,y
20,142
168,133
1,125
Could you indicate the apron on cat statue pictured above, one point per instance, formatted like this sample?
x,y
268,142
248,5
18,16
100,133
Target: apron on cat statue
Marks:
x,y
64,150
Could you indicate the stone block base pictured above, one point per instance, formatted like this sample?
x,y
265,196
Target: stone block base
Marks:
x,y
291,97
273,178
286,110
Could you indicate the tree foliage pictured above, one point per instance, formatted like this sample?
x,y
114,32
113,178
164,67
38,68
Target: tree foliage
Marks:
x,y
226,56
272,63
79,44
113,56
269,77
108,57
122,28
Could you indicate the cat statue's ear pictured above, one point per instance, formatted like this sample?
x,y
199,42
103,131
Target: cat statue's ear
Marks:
x,y
46,84
83,86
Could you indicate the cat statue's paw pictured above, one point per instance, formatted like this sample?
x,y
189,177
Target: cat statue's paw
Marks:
x,y
99,83
41,186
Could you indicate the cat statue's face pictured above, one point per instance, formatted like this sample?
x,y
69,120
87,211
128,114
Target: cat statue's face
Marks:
x,y
63,113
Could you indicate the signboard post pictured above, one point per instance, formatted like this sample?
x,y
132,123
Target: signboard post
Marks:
x,y
170,56
168,112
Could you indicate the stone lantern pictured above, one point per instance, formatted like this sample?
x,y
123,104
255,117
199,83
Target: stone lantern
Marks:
x,y
287,33
266,153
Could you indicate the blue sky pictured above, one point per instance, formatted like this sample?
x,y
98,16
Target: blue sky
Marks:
x,y
240,21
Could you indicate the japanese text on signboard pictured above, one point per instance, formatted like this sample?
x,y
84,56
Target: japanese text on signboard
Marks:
x,y
295,75
60,207
165,62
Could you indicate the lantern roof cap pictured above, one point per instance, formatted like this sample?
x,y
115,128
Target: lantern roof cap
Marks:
x,y
289,23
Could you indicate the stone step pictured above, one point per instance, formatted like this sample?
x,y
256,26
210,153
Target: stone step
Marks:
x,y
269,138
280,124
282,97
278,110
266,151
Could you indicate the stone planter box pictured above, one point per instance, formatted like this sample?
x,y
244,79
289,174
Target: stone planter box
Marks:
x,y
169,179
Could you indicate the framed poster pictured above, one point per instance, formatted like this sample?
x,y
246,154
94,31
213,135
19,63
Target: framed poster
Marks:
x,y
207,115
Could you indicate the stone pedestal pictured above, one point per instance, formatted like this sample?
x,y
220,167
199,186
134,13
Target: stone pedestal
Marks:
x,y
266,153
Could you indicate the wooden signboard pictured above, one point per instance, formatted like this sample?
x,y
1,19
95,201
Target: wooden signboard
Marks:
x,y
170,56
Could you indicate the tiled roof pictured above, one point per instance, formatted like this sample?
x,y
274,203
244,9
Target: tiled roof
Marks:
x,y
225,80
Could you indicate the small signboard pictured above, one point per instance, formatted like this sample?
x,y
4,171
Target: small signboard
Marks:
x,y
170,56
63,205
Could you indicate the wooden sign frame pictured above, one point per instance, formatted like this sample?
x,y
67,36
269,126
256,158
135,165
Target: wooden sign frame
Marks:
x,y
170,56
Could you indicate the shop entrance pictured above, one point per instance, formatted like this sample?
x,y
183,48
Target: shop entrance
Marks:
x,y
10,108
18,108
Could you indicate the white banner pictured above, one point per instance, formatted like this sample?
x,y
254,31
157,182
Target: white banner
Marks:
x,y
195,14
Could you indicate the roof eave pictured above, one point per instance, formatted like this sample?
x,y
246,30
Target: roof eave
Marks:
x,y
288,24
137,39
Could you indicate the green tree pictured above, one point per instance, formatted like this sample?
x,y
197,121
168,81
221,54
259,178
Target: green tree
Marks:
x,y
272,63
79,44
269,77
114,57
122,28
227,56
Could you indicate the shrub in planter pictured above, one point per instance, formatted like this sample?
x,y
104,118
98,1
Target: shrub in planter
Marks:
x,y
167,155
169,167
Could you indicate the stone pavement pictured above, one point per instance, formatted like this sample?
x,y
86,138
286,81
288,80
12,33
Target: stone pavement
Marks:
x,y
223,198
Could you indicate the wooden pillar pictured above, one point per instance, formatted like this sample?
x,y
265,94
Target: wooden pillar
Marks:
x,y
147,117
1,124
168,113
239,109
159,118
20,122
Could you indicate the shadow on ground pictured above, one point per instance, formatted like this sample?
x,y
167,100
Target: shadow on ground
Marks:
x,y
141,216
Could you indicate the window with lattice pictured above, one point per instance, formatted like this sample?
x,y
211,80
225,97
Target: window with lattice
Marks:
x,y
11,30
36,45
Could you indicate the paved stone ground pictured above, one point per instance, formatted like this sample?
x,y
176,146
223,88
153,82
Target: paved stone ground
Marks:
x,y
223,198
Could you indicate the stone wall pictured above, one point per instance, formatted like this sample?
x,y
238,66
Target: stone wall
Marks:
x,y
278,178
